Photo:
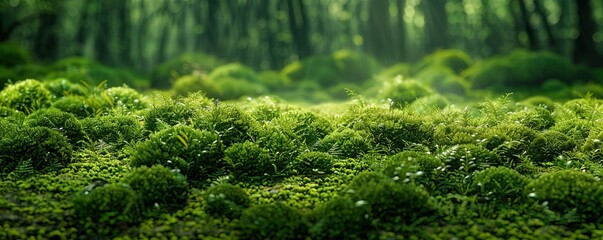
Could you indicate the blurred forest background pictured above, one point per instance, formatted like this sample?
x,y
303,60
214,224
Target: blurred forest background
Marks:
x,y
269,34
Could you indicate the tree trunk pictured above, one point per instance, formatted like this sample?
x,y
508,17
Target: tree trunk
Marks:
x,y
380,38
585,50
551,39
436,25
401,40
531,33
298,24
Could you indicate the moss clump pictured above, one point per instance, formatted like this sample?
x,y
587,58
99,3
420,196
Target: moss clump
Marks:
x,y
225,200
391,130
26,96
187,84
78,69
455,60
158,187
355,67
60,121
39,148
306,127
410,166
194,152
519,69
468,158
346,143
126,97
537,118
390,202
13,54
500,184
318,69
442,80
340,217
309,163
549,145
61,87
75,105
115,130
110,204
229,121
161,117
402,92
567,191
184,64
247,160
272,221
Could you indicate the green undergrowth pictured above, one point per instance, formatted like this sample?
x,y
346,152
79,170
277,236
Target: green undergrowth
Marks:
x,y
411,160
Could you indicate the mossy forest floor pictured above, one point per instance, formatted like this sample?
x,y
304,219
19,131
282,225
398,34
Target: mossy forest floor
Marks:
x,y
412,161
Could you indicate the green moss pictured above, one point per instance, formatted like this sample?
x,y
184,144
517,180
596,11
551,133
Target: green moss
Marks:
x,y
355,67
567,191
163,116
310,163
307,127
549,145
112,204
39,148
455,60
340,217
402,92
390,202
499,184
115,130
225,200
249,161
195,153
127,98
410,166
272,221
78,69
229,121
389,129
184,64
158,187
187,84
13,54
538,118
62,87
345,143
75,105
63,122
26,96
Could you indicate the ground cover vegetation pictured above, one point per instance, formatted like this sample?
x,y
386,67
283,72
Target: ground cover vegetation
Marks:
x,y
438,149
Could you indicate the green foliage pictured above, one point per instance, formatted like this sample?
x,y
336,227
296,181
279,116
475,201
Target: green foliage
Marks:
x,y
126,97
453,59
115,130
309,163
549,145
442,80
390,202
247,160
160,117
229,121
62,87
340,217
158,187
187,84
402,92
416,167
60,121
345,143
13,54
225,200
232,81
538,117
111,204
307,127
193,152
541,101
568,191
274,80
343,66
185,64
42,148
399,69
391,130
272,221
26,96
500,184
75,105
519,69
78,69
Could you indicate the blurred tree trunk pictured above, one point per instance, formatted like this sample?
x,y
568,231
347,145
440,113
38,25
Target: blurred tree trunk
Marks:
x,y
436,25
379,37
211,29
268,33
585,50
46,40
527,27
102,41
551,39
401,40
299,26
